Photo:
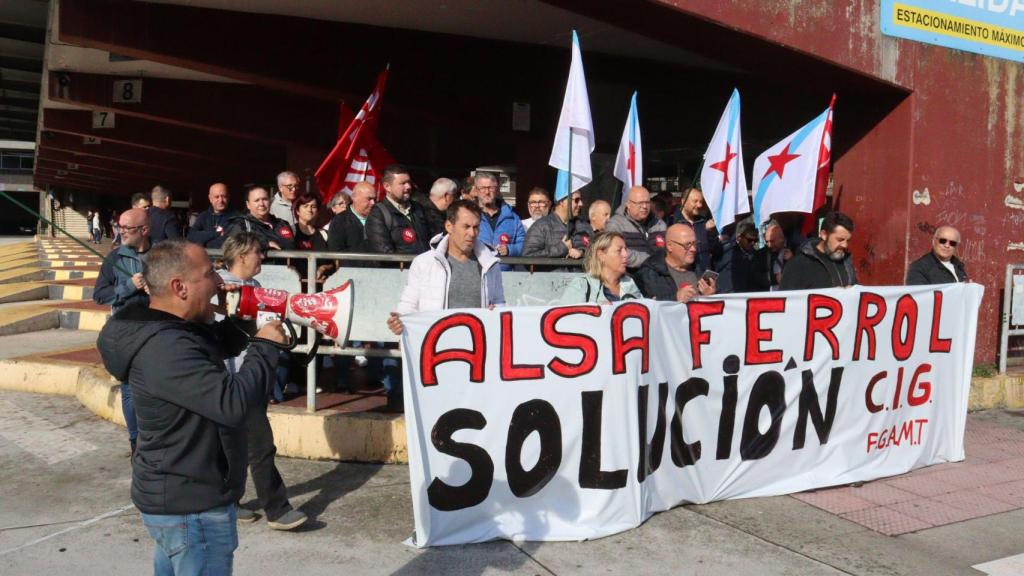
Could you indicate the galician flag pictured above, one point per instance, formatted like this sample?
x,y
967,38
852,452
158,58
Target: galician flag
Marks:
x,y
824,162
629,164
785,175
722,178
574,138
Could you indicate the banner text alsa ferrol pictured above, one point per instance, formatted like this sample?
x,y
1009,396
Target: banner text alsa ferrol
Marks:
x,y
576,422
993,27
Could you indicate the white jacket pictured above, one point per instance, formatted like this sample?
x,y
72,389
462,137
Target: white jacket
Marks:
x,y
430,276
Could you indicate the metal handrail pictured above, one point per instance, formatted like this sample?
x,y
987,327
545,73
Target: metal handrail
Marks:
x,y
313,257
364,257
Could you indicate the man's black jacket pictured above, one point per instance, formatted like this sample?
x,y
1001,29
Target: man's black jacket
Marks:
x,y
929,270
435,219
709,247
654,279
810,269
388,231
209,229
347,234
191,454
163,224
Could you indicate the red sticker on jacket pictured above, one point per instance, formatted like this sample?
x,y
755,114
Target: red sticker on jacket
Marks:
x,y
504,239
285,232
585,240
659,240
408,235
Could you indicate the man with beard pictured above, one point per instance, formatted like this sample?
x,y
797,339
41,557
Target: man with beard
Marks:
x,y
825,264
396,225
538,203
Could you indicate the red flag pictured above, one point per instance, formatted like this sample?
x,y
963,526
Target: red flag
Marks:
x,y
824,161
357,156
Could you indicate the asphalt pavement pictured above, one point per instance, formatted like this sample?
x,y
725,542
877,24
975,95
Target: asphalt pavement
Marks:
x,y
65,508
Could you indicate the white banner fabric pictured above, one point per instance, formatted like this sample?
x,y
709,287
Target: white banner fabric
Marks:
x,y
577,422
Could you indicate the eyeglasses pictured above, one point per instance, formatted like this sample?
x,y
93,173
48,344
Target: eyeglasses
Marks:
x,y
131,228
945,241
644,203
686,245
577,200
482,188
538,202
289,186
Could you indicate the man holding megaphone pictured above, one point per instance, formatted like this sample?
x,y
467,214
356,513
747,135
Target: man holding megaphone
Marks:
x,y
188,470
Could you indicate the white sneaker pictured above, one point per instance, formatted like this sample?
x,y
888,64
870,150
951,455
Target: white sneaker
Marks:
x,y
361,361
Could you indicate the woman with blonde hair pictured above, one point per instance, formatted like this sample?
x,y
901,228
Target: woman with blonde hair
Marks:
x,y
605,280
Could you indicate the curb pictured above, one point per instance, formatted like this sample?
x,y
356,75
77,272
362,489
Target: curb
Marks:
x,y
35,320
324,435
91,320
1001,391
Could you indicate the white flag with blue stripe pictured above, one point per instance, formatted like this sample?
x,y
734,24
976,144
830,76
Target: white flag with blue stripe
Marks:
x,y
629,163
574,138
722,179
785,174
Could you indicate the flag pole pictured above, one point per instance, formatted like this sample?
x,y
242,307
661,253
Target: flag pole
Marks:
x,y
568,183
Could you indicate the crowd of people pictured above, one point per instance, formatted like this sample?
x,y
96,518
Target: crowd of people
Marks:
x,y
195,385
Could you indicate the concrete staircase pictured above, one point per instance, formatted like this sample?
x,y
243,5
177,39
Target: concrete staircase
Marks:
x,y
48,283
72,222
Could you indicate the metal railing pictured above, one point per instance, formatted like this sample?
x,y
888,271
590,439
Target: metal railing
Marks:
x,y
554,268
1013,311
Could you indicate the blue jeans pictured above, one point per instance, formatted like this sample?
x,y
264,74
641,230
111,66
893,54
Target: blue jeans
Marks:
x,y
128,407
194,544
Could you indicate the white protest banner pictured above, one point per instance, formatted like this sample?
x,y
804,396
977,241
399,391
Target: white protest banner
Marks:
x,y
578,422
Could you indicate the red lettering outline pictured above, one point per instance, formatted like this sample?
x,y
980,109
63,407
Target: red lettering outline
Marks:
x,y
823,326
509,370
622,347
698,337
570,340
756,334
936,344
906,308
431,358
867,323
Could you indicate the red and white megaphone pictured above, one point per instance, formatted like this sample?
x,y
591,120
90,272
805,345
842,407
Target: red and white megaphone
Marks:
x,y
329,313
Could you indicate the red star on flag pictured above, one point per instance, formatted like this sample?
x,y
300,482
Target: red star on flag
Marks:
x,y
723,166
779,161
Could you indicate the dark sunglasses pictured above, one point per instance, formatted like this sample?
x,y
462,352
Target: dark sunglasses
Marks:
x,y
945,241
